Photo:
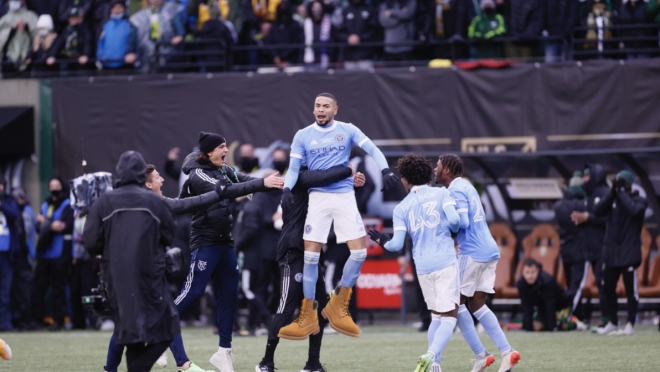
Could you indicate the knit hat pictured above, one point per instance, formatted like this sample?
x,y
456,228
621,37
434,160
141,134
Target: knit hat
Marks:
x,y
208,141
575,183
626,176
487,2
115,2
45,21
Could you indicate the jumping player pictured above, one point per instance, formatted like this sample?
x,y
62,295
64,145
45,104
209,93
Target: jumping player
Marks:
x,y
478,256
429,215
323,145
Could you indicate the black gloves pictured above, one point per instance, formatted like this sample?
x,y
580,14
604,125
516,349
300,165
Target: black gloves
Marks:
x,y
219,189
287,199
389,179
618,184
379,237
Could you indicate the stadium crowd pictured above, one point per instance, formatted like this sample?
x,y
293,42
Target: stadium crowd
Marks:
x,y
48,35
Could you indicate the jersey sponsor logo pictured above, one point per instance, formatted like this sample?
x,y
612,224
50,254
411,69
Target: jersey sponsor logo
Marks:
x,y
340,138
201,265
308,229
324,150
314,142
299,277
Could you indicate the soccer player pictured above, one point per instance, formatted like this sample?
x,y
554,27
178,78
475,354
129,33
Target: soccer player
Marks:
x,y
290,256
429,215
325,144
478,256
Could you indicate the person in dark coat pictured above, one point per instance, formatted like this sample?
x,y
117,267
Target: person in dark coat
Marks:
x,y
526,23
633,12
74,43
131,226
622,253
9,250
359,25
560,18
215,29
538,289
285,30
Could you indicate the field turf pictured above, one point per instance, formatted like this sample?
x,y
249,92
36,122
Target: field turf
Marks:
x,y
380,348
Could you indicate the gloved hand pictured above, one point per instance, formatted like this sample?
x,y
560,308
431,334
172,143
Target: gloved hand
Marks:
x,y
287,200
379,237
618,184
219,189
389,179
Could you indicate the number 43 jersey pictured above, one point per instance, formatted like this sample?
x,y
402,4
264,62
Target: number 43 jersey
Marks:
x,y
476,241
421,214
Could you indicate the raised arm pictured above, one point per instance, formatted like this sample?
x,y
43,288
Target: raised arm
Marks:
x,y
316,178
292,175
359,139
193,203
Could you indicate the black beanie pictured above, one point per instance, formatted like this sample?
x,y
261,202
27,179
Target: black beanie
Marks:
x,y
209,141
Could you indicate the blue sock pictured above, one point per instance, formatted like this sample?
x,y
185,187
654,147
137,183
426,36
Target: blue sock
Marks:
x,y
353,267
492,326
310,274
433,328
442,335
466,325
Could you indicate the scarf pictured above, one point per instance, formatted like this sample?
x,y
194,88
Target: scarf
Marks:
x,y
324,37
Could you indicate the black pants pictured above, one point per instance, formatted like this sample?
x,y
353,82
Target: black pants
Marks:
x,y
141,357
20,292
258,313
53,274
83,279
611,277
576,277
597,269
291,269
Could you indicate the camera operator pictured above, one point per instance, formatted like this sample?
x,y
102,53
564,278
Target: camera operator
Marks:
x,y
131,226
622,253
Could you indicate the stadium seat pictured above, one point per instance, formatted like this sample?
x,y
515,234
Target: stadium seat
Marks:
x,y
653,288
642,270
506,240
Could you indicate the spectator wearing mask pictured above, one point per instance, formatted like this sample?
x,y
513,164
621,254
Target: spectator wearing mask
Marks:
x,y
23,274
541,294
396,17
360,21
54,254
159,22
74,43
215,29
249,163
285,30
42,43
9,250
486,26
118,42
622,254
560,18
17,29
633,12
318,31
526,23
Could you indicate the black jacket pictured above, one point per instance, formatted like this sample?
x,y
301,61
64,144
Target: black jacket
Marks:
x,y
573,238
79,36
561,16
285,30
526,18
293,228
213,226
546,294
360,19
259,237
131,226
212,30
625,219
633,15
12,214
596,190
193,203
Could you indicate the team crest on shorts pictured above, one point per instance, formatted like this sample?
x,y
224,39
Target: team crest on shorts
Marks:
x,y
340,138
299,277
308,229
201,265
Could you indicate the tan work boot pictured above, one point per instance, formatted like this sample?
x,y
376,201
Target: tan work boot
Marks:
x,y
306,324
337,312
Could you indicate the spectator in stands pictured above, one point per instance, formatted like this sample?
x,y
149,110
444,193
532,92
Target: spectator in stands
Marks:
x,y
285,30
42,43
83,7
541,294
360,21
301,14
55,226
653,11
249,163
486,26
396,17
23,274
17,29
633,12
214,29
526,23
118,42
599,21
622,254
74,43
49,7
100,15
560,18
319,30
258,17
159,24
9,248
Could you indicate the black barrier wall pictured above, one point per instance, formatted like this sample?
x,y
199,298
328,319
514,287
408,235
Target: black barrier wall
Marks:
x,y
599,104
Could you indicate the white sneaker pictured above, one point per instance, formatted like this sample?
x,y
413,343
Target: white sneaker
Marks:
x,y
509,361
629,330
481,363
608,329
162,360
435,367
223,360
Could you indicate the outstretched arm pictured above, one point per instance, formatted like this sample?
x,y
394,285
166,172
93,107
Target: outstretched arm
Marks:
x,y
396,244
389,178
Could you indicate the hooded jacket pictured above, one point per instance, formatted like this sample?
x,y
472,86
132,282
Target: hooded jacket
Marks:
x,y
131,226
213,226
573,238
526,18
119,37
625,219
596,190
362,20
546,294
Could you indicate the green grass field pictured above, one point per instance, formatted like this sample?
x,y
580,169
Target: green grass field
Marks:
x,y
379,348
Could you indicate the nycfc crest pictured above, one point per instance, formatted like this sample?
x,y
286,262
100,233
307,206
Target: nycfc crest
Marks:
x,y
299,277
201,265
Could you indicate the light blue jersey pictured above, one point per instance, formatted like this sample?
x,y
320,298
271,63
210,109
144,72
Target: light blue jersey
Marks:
x,y
475,241
421,214
322,148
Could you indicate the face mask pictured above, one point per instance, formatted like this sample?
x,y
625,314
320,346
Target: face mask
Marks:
x,y
489,11
43,31
280,165
55,193
117,16
14,5
248,164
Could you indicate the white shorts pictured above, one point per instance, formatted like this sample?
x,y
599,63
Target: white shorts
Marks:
x,y
326,207
440,289
476,276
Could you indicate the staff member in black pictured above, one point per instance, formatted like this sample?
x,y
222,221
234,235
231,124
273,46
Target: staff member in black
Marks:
x,y
290,255
622,255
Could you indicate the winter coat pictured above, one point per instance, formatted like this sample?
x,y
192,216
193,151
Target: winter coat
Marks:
x,y
67,5
285,30
18,43
119,37
634,15
546,294
362,20
573,238
526,18
41,46
73,42
399,26
486,27
193,203
131,226
9,215
596,190
171,24
561,16
625,219
215,29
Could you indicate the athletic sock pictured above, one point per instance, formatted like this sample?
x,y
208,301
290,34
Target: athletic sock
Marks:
x,y
466,325
442,335
270,351
353,267
311,274
433,328
492,327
